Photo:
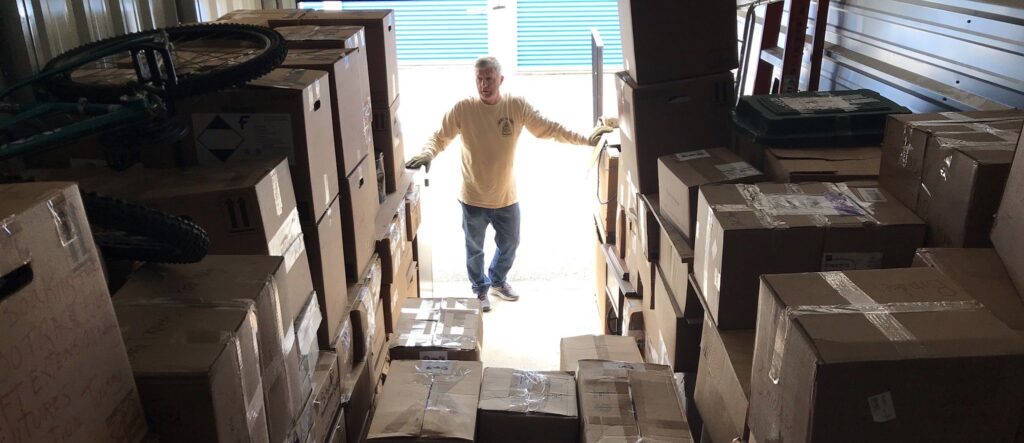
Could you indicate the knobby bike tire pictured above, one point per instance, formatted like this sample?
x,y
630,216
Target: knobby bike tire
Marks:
x,y
127,231
64,87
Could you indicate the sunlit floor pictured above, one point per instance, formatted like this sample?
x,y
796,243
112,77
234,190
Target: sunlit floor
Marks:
x,y
554,265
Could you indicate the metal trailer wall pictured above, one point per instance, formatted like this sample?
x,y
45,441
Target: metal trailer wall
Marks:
x,y
934,55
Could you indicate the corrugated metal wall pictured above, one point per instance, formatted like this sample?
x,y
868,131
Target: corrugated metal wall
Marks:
x,y
556,34
435,31
931,55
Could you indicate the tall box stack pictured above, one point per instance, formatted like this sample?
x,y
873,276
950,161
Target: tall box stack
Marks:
x,y
1010,221
877,364
383,63
65,373
951,169
673,97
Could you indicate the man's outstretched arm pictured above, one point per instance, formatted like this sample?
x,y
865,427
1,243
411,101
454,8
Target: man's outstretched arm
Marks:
x,y
450,125
541,127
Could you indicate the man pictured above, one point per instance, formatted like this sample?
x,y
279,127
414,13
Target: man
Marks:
x,y
490,125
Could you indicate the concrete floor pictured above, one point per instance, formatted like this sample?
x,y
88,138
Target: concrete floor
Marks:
x,y
554,264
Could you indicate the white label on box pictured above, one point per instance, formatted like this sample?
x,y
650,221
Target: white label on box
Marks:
x,y
285,235
882,408
222,138
850,261
292,254
458,330
693,155
737,170
276,184
871,195
434,355
435,367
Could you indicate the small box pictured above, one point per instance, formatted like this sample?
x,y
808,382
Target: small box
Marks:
x,y
405,412
438,329
872,353
359,206
286,113
413,211
197,369
599,347
675,262
637,401
667,118
392,242
306,326
527,407
681,174
744,231
826,164
325,37
673,338
723,381
65,374
1010,221
327,392
357,409
982,274
607,185
325,248
363,309
388,139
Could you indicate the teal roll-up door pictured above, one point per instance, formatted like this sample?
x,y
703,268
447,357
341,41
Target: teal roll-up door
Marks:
x,y
556,33
437,31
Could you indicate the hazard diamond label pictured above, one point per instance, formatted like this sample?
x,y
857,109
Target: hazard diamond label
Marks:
x,y
223,138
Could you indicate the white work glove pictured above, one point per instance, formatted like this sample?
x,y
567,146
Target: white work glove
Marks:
x,y
418,161
608,121
595,136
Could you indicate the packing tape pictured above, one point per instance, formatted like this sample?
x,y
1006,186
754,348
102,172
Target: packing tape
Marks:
x,y
440,378
528,391
254,407
879,315
600,348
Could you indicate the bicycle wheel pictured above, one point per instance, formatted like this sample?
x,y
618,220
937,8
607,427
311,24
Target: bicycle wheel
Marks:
x,y
205,58
127,231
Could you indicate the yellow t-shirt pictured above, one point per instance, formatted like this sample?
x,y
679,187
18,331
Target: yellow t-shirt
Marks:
x,y
489,137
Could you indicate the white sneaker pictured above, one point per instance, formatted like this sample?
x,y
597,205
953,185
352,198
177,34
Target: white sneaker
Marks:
x,y
485,303
505,291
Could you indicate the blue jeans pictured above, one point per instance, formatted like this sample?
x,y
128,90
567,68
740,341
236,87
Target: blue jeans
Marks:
x,y
506,229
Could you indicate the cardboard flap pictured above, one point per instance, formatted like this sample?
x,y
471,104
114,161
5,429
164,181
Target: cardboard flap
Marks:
x,y
811,166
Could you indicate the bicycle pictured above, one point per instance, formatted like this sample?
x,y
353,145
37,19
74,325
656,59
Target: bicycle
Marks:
x,y
124,88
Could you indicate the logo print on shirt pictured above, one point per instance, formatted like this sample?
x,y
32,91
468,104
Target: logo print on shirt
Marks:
x,y
505,124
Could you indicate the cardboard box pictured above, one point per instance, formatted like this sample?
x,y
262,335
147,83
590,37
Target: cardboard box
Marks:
x,y
629,402
528,406
344,349
723,381
601,294
327,392
59,335
1010,222
680,175
380,45
324,37
392,241
621,233
235,280
388,139
982,274
675,262
599,347
346,70
306,326
633,320
878,362
639,267
304,425
744,231
673,337
961,188
391,302
260,17
685,384
198,371
359,206
337,432
649,224
664,40
439,329
607,186
287,113
357,409
363,309
405,410
909,137
325,248
380,358
671,117
413,212
827,164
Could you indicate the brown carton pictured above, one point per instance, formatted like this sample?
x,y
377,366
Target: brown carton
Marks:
x,y
829,164
64,373
438,329
666,118
607,186
632,319
380,45
327,393
346,70
324,37
1010,221
363,305
235,280
304,425
675,262
407,407
325,249
961,186
680,175
284,113
413,211
981,273
723,381
528,406
599,347
260,17
909,137
674,338
622,401
357,409
337,432
871,354
388,139
392,240
198,371
359,205
744,231
664,40
306,326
